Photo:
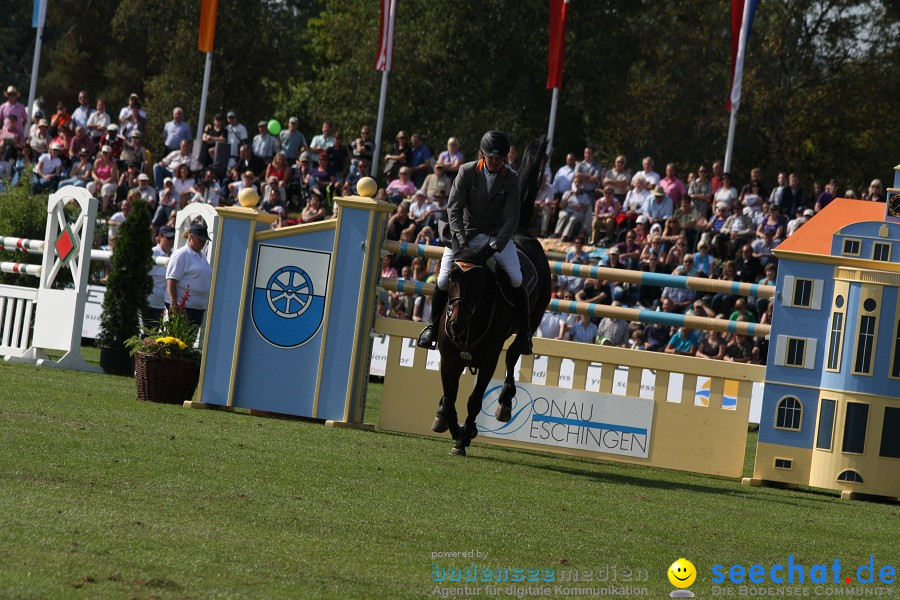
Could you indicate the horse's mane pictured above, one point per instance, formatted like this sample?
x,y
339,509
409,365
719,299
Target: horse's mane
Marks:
x,y
531,177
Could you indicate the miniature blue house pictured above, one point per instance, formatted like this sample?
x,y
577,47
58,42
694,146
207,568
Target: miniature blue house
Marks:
x,y
831,405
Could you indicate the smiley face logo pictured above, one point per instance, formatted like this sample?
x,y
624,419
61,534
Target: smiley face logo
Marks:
x,y
682,573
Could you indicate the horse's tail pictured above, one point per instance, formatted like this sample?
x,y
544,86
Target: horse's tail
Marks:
x,y
531,178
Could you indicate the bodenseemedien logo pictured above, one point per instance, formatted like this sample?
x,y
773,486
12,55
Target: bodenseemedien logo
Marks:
x,y
682,574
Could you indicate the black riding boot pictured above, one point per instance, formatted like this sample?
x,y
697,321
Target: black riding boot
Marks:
x,y
523,339
428,337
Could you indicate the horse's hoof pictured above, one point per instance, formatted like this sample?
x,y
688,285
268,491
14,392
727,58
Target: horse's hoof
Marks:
x,y
455,451
503,413
440,424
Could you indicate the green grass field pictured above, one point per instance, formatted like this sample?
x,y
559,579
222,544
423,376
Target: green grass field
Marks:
x,y
102,496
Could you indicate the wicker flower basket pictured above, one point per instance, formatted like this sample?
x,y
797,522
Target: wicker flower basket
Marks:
x,y
165,379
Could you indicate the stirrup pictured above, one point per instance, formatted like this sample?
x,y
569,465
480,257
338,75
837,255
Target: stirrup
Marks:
x,y
427,339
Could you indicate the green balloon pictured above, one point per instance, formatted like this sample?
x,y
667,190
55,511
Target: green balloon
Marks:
x,y
274,127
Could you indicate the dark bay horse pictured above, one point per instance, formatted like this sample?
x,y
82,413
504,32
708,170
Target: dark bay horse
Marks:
x,y
479,318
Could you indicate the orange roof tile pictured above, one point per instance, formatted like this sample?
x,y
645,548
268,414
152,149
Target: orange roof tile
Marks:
x,y
816,235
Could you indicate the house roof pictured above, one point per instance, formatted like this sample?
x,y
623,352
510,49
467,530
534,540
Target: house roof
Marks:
x,y
815,236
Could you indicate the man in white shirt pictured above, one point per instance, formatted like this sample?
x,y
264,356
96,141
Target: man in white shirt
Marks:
x,y
575,204
562,182
145,190
116,221
98,122
48,170
265,146
648,173
237,135
170,163
134,106
552,327
324,141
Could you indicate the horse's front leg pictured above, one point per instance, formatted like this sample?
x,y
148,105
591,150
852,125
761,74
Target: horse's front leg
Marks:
x,y
446,417
503,413
469,430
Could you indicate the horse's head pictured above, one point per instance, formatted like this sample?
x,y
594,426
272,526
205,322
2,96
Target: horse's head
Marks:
x,y
466,289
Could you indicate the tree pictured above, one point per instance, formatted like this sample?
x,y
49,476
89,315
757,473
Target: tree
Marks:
x,y
129,283
640,78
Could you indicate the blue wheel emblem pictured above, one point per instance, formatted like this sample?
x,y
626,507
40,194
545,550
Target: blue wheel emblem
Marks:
x,y
289,292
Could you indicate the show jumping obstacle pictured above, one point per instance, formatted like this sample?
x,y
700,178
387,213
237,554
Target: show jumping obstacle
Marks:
x,y
290,332
619,275
56,314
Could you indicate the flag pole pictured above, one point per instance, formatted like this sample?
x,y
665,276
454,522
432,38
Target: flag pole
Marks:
x,y
552,126
382,100
729,147
203,95
36,63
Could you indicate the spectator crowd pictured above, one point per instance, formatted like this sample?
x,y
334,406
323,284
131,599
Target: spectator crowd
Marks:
x,y
705,224
701,226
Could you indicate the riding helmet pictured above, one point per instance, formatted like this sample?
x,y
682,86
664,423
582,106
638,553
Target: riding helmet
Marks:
x,y
495,144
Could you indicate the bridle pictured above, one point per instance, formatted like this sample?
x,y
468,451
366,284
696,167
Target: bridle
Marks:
x,y
454,301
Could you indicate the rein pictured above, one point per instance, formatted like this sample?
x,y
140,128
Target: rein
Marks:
x,y
452,302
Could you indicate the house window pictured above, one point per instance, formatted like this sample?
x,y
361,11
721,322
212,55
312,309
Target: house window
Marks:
x,y
783,463
826,424
789,413
864,344
834,346
895,367
802,293
881,251
890,433
851,247
855,424
850,476
796,350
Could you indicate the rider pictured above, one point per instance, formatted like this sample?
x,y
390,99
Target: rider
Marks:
x,y
484,212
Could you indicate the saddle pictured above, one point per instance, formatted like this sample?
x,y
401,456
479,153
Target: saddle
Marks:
x,y
529,272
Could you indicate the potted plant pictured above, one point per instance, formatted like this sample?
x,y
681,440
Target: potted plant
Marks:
x,y
127,288
167,366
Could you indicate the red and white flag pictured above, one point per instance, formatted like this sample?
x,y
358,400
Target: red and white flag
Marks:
x,y
742,13
385,57
556,48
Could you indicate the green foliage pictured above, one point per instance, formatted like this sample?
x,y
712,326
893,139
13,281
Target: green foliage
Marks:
x,y
22,215
256,42
640,77
16,46
129,281
175,337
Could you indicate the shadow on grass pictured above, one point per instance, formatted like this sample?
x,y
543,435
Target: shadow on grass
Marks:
x,y
597,470
650,483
